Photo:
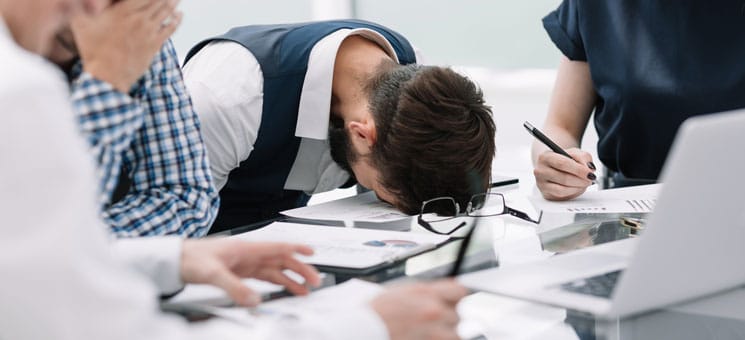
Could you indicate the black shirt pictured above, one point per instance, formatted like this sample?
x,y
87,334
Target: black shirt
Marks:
x,y
653,63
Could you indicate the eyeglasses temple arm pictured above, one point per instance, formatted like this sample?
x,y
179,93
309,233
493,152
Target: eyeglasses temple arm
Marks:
x,y
428,226
521,215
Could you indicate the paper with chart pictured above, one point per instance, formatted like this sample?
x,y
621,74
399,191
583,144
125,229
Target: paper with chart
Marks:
x,y
638,199
347,247
360,208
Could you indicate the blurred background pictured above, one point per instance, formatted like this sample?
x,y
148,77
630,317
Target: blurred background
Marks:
x,y
486,33
499,44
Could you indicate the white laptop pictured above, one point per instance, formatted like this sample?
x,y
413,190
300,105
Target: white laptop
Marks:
x,y
693,245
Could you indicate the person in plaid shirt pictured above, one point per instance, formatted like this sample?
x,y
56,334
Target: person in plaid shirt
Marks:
x,y
142,129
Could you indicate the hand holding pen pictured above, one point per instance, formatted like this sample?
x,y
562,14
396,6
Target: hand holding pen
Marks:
x,y
561,174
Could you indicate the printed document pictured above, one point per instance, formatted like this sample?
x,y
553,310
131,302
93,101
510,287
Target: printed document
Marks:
x,y
359,208
350,294
347,247
638,199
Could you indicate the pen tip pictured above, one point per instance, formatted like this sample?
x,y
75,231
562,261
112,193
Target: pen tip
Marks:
x,y
528,125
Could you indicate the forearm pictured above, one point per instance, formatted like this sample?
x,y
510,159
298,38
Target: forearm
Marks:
x,y
108,119
157,258
561,136
570,108
171,190
167,210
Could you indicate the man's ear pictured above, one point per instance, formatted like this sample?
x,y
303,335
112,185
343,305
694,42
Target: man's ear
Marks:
x,y
363,135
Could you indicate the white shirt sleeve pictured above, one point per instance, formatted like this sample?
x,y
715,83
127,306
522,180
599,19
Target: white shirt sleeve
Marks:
x,y
418,55
158,258
61,278
226,85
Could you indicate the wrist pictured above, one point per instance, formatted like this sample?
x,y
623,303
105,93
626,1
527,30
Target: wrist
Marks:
x,y
185,260
109,75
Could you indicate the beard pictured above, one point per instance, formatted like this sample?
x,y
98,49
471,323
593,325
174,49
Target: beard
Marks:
x,y
63,52
66,41
341,147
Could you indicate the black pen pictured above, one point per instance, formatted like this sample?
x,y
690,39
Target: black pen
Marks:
x,y
458,264
555,147
545,140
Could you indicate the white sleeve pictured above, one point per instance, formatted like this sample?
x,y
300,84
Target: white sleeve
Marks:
x,y
60,277
226,86
158,258
418,55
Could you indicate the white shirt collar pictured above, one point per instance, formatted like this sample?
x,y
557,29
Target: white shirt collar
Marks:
x,y
315,99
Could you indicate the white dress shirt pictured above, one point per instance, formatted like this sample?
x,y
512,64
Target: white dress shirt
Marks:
x,y
226,84
61,278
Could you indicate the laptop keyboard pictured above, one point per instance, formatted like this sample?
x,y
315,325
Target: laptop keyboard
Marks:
x,y
601,285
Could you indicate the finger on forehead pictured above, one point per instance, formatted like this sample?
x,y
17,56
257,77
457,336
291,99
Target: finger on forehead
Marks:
x,y
161,10
136,5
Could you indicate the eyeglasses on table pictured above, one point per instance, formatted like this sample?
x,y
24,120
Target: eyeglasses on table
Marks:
x,y
437,213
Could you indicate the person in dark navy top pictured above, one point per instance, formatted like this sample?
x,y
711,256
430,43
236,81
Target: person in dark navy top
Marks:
x,y
642,67
290,110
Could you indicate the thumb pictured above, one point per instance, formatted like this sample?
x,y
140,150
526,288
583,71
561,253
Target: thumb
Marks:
x,y
235,288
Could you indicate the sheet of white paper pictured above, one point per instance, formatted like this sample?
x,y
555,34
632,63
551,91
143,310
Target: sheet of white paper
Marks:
x,y
354,292
211,295
346,247
639,199
361,208
498,317
490,315
350,294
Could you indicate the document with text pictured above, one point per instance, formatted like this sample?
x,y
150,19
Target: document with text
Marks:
x,y
638,199
360,208
350,294
347,247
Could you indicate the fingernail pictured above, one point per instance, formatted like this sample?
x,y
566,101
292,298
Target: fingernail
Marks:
x,y
253,300
591,165
591,176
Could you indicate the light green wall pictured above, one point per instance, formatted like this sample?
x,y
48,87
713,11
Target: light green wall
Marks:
x,y
497,34
491,33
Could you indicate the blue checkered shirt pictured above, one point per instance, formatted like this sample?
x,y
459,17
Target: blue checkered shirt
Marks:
x,y
154,135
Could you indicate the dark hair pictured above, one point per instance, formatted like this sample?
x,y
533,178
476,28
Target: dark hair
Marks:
x,y
340,145
434,134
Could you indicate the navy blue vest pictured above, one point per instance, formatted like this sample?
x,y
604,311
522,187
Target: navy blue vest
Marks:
x,y
255,190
